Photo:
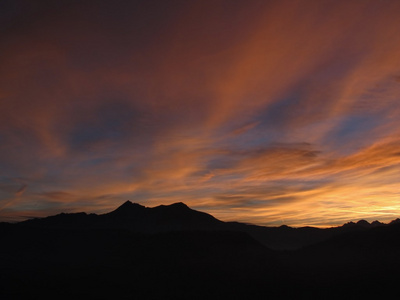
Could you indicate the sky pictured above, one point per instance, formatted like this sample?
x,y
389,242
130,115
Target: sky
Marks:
x,y
264,112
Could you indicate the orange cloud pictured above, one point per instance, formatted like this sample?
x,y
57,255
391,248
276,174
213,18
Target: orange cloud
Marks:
x,y
264,112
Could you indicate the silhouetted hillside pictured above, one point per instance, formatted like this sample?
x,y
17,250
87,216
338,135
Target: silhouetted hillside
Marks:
x,y
135,217
179,217
104,264
353,263
174,252
162,218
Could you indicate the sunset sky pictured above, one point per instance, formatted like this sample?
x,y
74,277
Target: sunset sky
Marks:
x,y
266,112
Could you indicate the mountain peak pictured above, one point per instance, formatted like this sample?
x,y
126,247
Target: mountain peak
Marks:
x,y
128,207
363,223
179,204
397,221
376,223
126,203
129,203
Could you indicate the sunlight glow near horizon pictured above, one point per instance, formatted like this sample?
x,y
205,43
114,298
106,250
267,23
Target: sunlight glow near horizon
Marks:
x,y
271,113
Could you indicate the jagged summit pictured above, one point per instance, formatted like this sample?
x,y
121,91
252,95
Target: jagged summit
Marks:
x,y
128,204
397,221
363,224
128,208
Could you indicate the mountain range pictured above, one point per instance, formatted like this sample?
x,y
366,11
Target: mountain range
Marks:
x,y
179,217
174,252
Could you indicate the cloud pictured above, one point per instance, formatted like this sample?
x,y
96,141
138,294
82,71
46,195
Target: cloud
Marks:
x,y
57,195
21,191
13,186
259,112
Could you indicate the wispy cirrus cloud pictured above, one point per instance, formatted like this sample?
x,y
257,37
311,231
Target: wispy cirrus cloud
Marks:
x,y
266,112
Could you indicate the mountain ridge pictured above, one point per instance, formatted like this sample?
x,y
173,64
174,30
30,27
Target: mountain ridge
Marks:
x,y
180,217
129,206
73,253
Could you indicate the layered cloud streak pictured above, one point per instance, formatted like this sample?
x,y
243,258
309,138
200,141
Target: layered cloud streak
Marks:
x,y
264,112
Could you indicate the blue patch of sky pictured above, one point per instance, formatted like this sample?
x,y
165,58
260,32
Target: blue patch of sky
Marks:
x,y
355,125
221,162
109,122
95,162
275,115
354,128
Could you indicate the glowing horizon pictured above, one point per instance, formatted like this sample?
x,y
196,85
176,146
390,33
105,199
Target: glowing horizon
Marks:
x,y
266,112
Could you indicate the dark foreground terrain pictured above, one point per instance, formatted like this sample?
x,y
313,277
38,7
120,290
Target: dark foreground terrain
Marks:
x,y
173,252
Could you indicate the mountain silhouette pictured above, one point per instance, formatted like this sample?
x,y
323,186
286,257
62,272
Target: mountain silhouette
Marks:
x,y
175,252
179,217
135,217
128,209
